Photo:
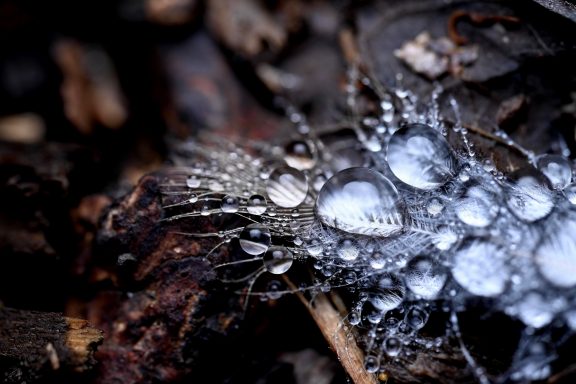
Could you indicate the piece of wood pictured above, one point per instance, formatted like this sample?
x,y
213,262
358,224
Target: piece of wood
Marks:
x,y
34,343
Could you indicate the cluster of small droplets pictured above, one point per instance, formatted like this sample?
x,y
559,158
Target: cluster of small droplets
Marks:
x,y
401,220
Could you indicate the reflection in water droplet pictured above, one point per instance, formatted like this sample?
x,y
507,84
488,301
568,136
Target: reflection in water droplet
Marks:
x,y
477,208
480,267
425,277
557,169
388,293
416,318
361,201
348,249
420,156
193,182
278,260
256,205
230,204
530,199
371,364
287,187
255,239
570,193
314,247
299,155
556,254
392,346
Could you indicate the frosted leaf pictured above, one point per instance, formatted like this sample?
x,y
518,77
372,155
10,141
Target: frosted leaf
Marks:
x,y
557,169
480,268
556,254
255,239
420,156
477,208
529,198
425,277
287,187
277,260
361,201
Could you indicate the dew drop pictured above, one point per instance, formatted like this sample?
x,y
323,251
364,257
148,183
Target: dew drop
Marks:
x,y
556,254
377,260
256,205
348,249
480,268
416,318
361,201
255,239
354,318
299,155
529,198
193,182
230,204
534,310
434,207
570,193
388,293
557,169
477,208
420,156
278,260
287,187
425,277
371,364
392,346
314,247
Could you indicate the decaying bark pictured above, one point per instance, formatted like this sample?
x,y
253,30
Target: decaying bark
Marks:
x,y
34,343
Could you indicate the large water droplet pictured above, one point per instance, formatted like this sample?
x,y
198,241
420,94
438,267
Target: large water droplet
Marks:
x,y
255,239
287,187
392,346
529,198
230,204
278,260
416,318
477,208
299,155
361,201
425,277
556,254
256,205
372,364
420,156
480,267
557,169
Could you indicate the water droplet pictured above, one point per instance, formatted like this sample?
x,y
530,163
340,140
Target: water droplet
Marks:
x,y
480,267
477,208
361,201
192,198
278,260
314,247
529,198
416,318
230,204
354,318
255,239
371,364
287,187
557,169
570,193
215,185
193,182
534,310
556,254
256,205
388,293
299,155
444,238
372,143
392,346
377,260
420,156
425,277
348,249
